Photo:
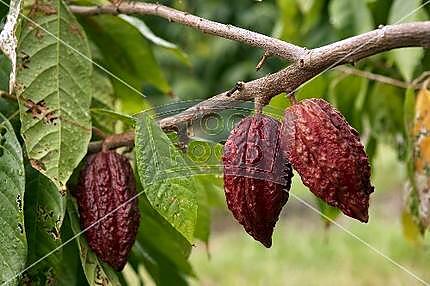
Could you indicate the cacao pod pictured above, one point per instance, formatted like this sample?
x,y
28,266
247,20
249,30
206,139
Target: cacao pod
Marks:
x,y
327,153
257,177
109,214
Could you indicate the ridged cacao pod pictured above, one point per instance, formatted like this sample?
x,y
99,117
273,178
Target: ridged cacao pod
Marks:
x,y
257,177
106,196
327,153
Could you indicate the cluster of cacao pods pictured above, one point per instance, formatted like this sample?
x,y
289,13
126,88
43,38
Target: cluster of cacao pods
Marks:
x,y
317,142
108,207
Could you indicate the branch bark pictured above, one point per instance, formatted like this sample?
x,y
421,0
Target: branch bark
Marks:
x,y
271,45
318,60
377,77
307,63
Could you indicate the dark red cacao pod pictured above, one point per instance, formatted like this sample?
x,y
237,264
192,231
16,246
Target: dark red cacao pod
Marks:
x,y
257,177
108,208
327,153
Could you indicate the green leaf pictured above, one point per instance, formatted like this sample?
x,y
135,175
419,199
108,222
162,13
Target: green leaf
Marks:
x,y
13,243
371,148
97,272
54,91
5,69
44,213
384,108
288,27
328,213
116,116
406,59
165,176
203,223
156,40
128,55
103,98
350,16
409,121
103,93
312,13
315,88
161,271
348,94
160,247
69,271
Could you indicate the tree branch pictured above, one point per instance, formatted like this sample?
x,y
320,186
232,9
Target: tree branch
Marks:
x,y
307,63
271,45
319,60
377,77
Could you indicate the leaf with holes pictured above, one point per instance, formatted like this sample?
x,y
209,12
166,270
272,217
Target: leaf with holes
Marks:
x,y
97,272
13,243
54,90
44,213
165,176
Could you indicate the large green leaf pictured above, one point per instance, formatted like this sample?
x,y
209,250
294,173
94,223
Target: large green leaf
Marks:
x,y
156,40
160,247
97,272
348,94
54,90
128,55
13,243
203,223
44,213
288,27
407,59
328,213
350,16
69,271
162,272
103,97
384,108
165,176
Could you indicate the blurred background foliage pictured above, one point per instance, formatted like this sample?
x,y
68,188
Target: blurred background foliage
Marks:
x,y
171,63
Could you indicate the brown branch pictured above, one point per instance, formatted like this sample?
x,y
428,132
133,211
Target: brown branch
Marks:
x,y
6,95
318,60
270,45
113,141
308,63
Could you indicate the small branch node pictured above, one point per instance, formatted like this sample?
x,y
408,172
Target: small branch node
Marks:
x,y
239,86
292,98
99,133
262,61
302,63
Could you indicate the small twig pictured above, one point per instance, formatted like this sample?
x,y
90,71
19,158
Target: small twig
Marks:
x,y
112,141
292,97
422,78
376,77
262,60
99,133
239,86
8,96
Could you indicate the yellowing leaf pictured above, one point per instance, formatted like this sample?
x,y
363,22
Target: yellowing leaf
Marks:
x,y
410,229
422,154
